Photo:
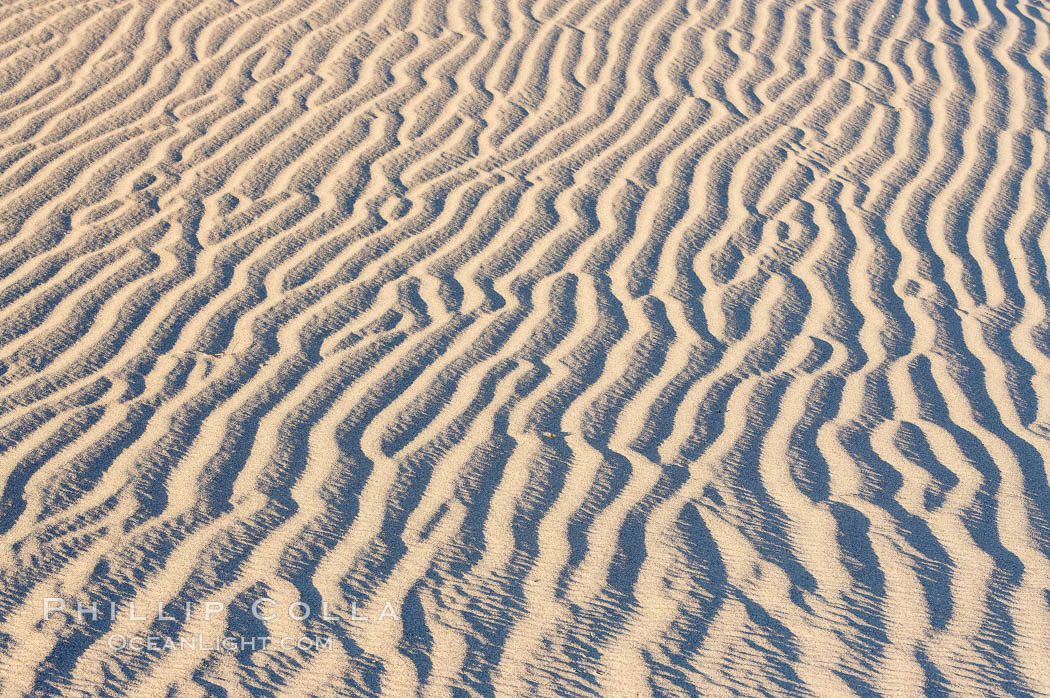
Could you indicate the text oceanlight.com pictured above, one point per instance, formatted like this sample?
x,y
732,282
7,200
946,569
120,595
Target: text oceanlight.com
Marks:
x,y
230,643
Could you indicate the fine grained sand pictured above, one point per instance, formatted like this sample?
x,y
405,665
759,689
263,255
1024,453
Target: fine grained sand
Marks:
x,y
599,347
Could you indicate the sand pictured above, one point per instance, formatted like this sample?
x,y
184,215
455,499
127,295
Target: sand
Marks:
x,y
586,348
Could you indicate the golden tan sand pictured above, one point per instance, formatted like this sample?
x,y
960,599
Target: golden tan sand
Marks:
x,y
596,348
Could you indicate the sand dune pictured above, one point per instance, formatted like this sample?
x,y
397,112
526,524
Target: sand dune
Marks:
x,y
610,347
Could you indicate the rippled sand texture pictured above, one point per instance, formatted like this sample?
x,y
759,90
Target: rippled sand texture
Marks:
x,y
624,347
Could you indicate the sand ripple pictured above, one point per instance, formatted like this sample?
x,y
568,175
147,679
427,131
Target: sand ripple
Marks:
x,y
609,347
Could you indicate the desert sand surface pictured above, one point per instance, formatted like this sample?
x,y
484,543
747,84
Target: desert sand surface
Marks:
x,y
524,348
